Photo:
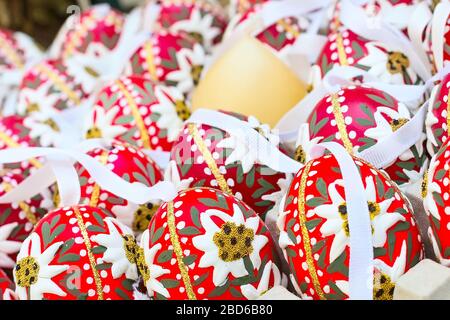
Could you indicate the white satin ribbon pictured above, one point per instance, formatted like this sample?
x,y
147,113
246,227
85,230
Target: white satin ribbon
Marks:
x,y
266,153
354,18
59,168
439,22
361,245
161,158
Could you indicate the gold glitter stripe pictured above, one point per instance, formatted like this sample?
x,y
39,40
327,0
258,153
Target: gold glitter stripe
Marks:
x,y
288,28
13,144
448,113
211,163
179,252
96,190
341,50
150,61
59,83
341,123
136,114
87,243
31,217
11,54
305,235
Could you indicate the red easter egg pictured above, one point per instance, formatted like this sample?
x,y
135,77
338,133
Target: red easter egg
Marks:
x,y
6,286
18,219
132,165
437,118
137,111
358,117
204,21
205,244
52,86
345,48
96,31
206,156
278,35
171,58
315,232
77,253
15,134
436,202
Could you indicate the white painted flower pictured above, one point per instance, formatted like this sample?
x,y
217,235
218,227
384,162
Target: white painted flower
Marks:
x,y
99,124
190,67
200,27
385,128
388,66
7,247
154,271
415,181
240,145
119,249
225,247
44,128
436,250
172,174
431,187
337,220
85,74
283,241
38,280
37,100
172,109
305,144
252,293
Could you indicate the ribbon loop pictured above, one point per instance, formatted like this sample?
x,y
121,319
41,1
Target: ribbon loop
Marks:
x,y
361,245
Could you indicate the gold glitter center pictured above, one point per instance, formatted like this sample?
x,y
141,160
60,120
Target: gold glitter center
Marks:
x,y
32,107
383,287
196,72
424,185
397,62
300,155
27,271
398,123
130,246
142,266
94,133
182,109
143,215
234,242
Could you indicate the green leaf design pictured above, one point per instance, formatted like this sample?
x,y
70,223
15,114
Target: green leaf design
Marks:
x,y
70,257
94,228
315,202
98,249
98,218
338,265
165,256
188,260
311,224
379,186
322,188
169,283
218,291
158,233
121,293
235,293
67,245
200,279
189,231
195,216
